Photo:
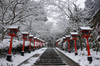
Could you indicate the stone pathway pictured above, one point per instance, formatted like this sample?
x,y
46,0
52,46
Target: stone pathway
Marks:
x,y
50,57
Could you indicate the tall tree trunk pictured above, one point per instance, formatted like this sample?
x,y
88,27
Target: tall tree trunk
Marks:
x,y
3,34
79,36
97,45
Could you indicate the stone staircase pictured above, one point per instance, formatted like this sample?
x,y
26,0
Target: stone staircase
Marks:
x,y
50,57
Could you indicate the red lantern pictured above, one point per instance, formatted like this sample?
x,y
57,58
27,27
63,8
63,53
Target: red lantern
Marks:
x,y
57,42
74,35
12,32
64,39
85,34
24,37
68,39
35,42
30,39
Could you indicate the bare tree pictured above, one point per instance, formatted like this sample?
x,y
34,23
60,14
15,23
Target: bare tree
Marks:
x,y
11,12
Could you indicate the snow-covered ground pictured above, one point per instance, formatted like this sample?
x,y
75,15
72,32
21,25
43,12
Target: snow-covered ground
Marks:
x,y
17,59
81,58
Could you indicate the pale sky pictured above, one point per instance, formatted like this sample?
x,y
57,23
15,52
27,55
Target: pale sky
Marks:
x,y
81,3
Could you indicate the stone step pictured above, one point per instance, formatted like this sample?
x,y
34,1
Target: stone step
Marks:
x,y
49,64
49,57
49,61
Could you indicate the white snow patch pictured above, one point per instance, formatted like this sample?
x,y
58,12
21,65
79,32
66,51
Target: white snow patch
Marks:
x,y
81,58
17,59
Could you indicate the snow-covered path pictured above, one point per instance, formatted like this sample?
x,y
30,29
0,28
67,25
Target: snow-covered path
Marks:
x,y
17,59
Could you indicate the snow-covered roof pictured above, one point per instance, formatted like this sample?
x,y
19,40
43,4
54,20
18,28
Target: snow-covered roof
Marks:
x,y
85,28
13,27
63,37
35,37
24,32
67,35
30,35
74,33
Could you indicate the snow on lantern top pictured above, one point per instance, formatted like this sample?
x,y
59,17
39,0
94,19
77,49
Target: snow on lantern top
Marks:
x,y
13,30
74,34
30,35
64,39
25,34
85,28
68,37
13,27
35,38
85,31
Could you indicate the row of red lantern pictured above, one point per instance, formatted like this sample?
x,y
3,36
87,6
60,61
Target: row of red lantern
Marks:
x,y
35,40
85,34
13,33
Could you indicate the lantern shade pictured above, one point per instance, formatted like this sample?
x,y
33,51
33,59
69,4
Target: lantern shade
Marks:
x,y
64,39
25,34
31,36
12,30
85,31
74,35
68,37
35,38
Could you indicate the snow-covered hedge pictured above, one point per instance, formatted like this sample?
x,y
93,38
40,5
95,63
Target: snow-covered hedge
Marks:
x,y
16,47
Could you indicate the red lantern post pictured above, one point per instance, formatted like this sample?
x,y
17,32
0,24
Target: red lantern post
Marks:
x,y
30,39
85,34
35,42
64,40
74,35
68,39
24,37
57,42
39,43
42,44
12,32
